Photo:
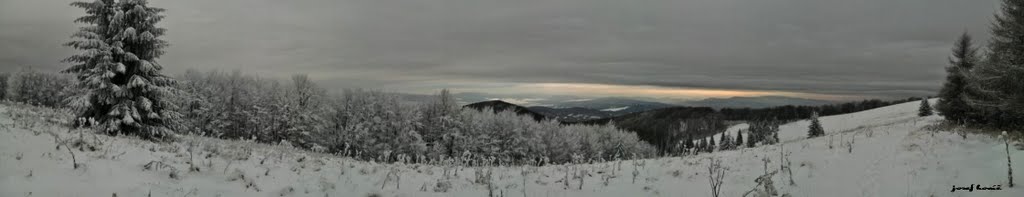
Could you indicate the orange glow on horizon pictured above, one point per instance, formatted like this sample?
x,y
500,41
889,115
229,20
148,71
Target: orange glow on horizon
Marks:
x,y
656,91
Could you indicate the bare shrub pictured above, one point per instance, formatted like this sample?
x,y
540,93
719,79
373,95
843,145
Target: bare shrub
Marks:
x,y
716,174
442,185
785,164
764,186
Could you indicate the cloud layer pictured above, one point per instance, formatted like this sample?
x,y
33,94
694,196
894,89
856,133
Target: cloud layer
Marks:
x,y
870,48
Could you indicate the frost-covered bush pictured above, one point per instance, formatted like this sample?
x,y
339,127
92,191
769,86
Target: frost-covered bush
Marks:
x,y
38,88
374,123
237,106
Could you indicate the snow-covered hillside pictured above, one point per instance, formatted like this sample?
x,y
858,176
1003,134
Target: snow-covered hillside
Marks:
x,y
880,152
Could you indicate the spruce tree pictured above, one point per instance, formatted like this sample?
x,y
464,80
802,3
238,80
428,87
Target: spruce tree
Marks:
x,y
711,144
951,103
925,109
815,129
722,141
751,138
739,139
999,90
125,92
729,142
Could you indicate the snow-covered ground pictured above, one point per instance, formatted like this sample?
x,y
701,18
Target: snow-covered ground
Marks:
x,y
891,155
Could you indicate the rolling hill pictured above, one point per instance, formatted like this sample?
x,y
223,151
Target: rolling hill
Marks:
x,y
498,105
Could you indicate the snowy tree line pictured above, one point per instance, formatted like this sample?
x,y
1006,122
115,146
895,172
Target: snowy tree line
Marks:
x,y
759,132
36,88
234,106
358,123
374,124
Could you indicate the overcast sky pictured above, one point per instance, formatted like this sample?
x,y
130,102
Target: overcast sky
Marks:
x,y
837,49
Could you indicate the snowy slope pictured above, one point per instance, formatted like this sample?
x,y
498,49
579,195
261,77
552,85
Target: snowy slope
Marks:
x,y
797,130
891,156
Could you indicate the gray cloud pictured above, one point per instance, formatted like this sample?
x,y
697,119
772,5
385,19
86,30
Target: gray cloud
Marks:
x,y
874,48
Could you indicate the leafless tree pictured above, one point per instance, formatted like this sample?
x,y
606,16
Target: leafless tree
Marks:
x,y
715,175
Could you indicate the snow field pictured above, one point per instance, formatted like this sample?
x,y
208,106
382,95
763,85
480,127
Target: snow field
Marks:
x,y
880,152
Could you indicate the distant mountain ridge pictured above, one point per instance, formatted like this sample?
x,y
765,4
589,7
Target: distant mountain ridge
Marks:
x,y
498,105
575,109
637,104
756,102
566,108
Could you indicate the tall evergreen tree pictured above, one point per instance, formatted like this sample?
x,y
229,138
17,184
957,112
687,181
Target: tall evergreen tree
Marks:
x,y
711,144
722,141
925,109
118,68
815,129
998,83
952,104
751,139
739,139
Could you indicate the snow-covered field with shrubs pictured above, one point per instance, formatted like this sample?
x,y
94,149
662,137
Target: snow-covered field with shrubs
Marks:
x,y
888,151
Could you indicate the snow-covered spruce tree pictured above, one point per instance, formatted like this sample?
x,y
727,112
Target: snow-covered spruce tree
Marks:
x,y
711,144
722,143
925,109
739,139
752,138
727,142
815,129
118,68
996,86
951,97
